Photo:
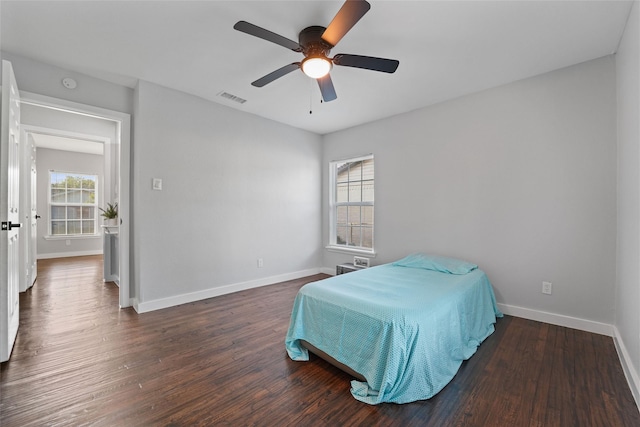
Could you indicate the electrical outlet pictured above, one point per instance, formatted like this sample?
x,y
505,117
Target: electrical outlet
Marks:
x,y
260,263
67,242
547,287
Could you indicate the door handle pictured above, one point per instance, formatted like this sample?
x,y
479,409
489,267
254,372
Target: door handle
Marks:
x,y
38,216
8,225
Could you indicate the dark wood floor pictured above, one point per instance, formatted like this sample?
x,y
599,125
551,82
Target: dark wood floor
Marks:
x,y
79,360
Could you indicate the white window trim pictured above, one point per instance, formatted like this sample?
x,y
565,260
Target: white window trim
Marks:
x,y
332,246
352,251
72,237
50,236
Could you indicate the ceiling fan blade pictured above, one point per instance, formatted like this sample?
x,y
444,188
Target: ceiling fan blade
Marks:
x,y
350,13
326,88
276,74
267,35
366,62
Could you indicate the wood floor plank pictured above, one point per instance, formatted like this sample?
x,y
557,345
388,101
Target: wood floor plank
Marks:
x,y
79,360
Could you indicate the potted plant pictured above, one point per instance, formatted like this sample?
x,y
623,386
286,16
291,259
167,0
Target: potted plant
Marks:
x,y
110,214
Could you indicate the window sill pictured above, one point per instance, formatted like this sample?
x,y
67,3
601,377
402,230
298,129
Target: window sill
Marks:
x,y
353,251
74,237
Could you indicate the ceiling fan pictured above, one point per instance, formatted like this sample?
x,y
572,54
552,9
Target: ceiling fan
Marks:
x,y
315,43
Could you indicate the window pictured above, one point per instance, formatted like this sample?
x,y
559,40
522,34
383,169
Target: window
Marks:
x,y
351,200
72,204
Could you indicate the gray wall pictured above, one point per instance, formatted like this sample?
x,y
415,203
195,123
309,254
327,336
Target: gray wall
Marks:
x,y
65,161
235,188
520,179
627,296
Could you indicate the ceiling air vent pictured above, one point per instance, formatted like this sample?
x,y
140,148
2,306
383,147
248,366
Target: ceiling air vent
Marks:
x,y
232,97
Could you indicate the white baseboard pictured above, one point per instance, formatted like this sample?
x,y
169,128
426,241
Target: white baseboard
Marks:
x,y
589,326
558,319
69,254
330,271
145,306
627,366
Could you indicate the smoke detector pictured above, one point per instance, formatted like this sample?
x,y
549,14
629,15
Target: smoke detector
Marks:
x,y
69,83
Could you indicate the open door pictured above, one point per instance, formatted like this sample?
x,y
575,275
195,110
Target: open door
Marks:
x,y
28,197
9,210
32,256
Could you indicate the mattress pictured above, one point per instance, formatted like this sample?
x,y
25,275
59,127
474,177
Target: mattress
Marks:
x,y
405,330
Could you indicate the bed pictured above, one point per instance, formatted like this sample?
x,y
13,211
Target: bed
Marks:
x,y
401,329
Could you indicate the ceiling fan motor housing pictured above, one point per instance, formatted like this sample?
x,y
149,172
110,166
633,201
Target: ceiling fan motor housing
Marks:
x,y
311,41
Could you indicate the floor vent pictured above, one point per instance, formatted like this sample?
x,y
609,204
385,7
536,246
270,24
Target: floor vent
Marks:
x,y
232,97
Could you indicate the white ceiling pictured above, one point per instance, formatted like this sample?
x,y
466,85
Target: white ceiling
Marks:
x,y
56,142
446,49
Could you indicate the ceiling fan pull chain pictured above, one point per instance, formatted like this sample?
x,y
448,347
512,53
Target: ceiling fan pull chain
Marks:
x,y
311,96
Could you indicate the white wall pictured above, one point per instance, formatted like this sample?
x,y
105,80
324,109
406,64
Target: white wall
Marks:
x,y
65,161
235,188
520,179
627,301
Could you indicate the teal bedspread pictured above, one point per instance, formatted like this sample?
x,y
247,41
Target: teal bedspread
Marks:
x,y
406,330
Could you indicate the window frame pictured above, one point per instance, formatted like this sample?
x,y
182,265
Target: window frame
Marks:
x,y
51,204
333,245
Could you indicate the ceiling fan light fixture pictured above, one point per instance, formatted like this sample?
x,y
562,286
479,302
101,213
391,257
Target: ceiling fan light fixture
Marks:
x,y
316,67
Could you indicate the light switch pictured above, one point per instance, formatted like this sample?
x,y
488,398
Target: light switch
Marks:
x,y
157,184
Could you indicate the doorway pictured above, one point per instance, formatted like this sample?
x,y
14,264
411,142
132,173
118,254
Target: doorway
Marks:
x,y
117,156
